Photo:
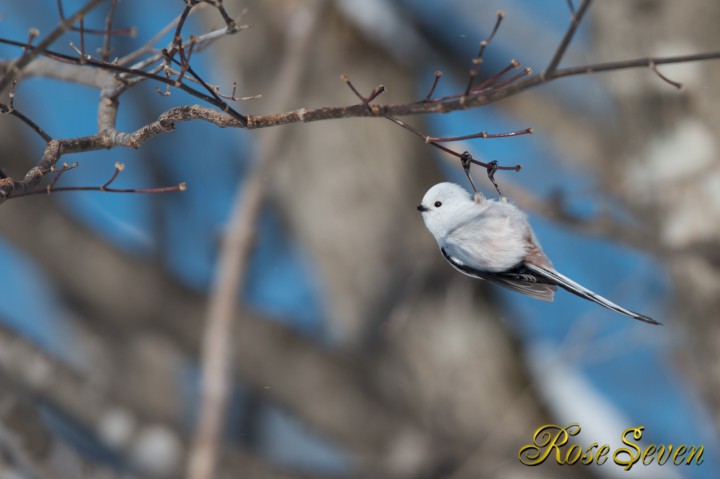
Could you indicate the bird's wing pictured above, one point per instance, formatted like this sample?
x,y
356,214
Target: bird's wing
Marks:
x,y
517,281
525,284
579,290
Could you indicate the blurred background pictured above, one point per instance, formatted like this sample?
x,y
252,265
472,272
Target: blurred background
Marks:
x,y
357,350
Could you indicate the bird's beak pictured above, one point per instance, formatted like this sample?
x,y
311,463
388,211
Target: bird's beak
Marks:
x,y
421,209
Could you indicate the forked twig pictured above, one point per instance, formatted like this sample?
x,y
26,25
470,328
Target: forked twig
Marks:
x,y
105,187
577,17
379,90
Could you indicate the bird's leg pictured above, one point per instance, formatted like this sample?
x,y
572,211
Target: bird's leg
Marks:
x,y
466,162
492,167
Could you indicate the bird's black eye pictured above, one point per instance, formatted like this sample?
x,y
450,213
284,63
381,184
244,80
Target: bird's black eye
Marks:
x,y
438,204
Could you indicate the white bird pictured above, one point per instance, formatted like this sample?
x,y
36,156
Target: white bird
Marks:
x,y
493,240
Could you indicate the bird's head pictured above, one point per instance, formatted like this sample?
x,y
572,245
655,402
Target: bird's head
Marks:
x,y
443,207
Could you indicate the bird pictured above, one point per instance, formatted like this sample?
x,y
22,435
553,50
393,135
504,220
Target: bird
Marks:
x,y
493,240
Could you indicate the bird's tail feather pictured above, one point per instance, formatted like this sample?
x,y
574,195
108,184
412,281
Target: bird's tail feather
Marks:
x,y
579,290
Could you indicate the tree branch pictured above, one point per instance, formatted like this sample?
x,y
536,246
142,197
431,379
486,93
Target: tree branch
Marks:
x,y
109,137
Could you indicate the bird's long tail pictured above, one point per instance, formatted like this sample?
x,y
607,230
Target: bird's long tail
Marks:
x,y
579,290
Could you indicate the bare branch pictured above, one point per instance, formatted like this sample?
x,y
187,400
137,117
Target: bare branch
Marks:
x,y
327,113
213,99
29,54
10,188
635,63
490,90
110,137
105,187
420,108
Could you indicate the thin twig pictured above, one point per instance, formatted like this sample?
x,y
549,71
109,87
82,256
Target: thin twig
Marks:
x,y
477,61
148,46
61,12
119,167
571,6
130,32
162,189
577,17
366,100
525,72
177,38
352,87
676,84
482,134
185,66
82,41
489,84
10,110
438,75
105,53
494,78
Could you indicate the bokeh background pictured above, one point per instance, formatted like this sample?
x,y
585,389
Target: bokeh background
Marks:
x,y
358,352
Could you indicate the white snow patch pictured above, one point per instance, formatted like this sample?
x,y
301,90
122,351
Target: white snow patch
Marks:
x,y
679,170
157,451
116,427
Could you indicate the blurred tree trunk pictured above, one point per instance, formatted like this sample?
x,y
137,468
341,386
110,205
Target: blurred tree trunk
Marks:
x,y
662,159
347,190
